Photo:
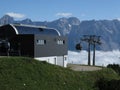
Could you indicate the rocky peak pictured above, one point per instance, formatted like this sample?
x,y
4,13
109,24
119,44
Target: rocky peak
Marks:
x,y
74,21
6,19
26,21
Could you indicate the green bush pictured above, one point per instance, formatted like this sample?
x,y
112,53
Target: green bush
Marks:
x,y
104,84
115,67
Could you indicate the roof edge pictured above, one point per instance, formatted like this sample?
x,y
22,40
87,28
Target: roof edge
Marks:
x,y
14,28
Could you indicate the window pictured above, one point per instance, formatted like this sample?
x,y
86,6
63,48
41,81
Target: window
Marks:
x,y
65,58
60,42
41,42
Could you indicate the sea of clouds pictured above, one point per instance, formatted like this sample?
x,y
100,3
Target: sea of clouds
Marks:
x,y
103,58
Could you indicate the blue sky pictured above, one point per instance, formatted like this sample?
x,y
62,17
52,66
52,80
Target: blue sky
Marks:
x,y
48,10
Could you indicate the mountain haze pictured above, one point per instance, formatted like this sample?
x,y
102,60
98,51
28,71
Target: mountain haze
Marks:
x,y
109,30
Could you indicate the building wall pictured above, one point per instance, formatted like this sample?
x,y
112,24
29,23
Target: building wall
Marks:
x,y
50,46
57,60
7,32
52,49
23,43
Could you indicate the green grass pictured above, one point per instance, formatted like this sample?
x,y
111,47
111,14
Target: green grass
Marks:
x,y
21,73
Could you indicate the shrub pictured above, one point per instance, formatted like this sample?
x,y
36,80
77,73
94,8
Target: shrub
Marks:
x,y
115,67
104,84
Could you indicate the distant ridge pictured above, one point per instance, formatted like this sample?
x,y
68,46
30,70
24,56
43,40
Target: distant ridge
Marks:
x,y
109,30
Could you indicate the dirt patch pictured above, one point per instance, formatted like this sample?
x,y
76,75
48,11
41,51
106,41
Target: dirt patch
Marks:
x,y
77,67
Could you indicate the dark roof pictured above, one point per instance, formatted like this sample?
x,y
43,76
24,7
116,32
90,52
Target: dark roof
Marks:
x,y
29,29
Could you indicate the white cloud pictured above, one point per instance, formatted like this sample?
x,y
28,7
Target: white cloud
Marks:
x,y
102,58
16,15
64,14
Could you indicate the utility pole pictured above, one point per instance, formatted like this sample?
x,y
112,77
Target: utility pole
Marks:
x,y
91,40
89,54
87,38
94,47
96,40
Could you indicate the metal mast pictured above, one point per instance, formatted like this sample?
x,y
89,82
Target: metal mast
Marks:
x,y
91,40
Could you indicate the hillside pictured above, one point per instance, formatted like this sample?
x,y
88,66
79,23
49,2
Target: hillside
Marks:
x,y
20,73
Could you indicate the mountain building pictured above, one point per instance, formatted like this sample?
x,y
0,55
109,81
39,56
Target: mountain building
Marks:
x,y
41,43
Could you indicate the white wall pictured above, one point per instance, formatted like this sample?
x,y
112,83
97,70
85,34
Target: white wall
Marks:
x,y
57,60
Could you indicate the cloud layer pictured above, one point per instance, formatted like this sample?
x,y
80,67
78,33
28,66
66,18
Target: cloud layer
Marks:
x,y
64,14
102,58
16,15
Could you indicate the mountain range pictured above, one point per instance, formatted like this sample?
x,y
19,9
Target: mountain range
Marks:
x,y
74,29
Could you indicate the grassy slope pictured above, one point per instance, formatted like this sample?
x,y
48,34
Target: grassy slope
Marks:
x,y
28,74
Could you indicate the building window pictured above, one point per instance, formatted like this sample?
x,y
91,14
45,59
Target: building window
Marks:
x,y
60,42
41,42
65,58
